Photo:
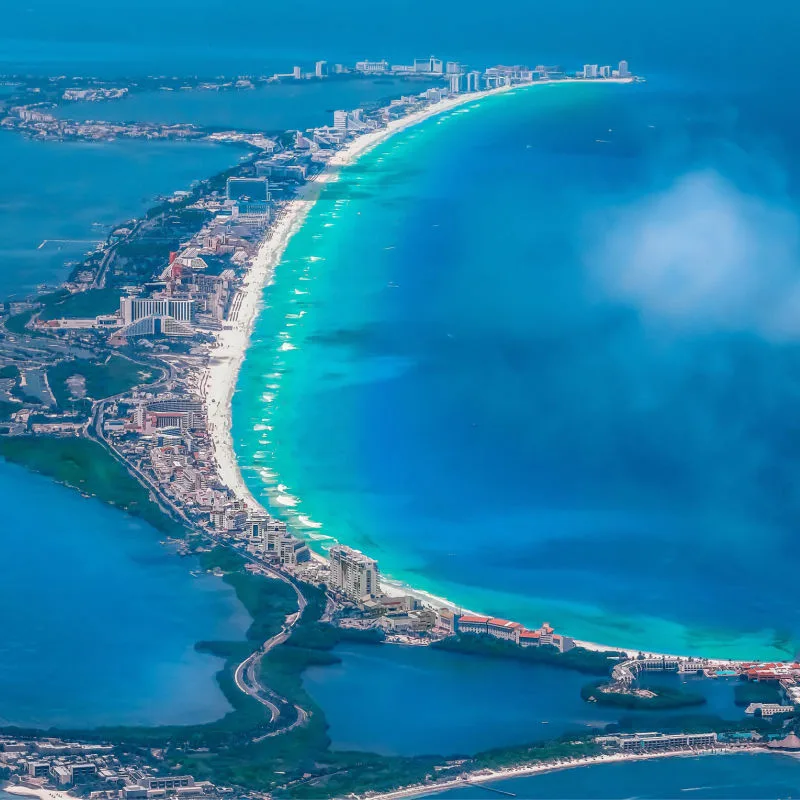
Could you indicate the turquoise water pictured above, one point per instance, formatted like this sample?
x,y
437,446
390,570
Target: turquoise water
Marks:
x,y
75,191
439,701
729,777
503,357
277,107
100,620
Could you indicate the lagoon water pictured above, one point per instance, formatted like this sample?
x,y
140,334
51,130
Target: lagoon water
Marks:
x,y
59,199
760,776
425,701
100,620
277,107
503,357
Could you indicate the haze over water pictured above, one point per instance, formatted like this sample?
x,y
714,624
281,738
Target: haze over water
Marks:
x,y
539,357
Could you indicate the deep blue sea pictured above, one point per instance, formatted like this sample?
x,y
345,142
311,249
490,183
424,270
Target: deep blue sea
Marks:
x,y
539,357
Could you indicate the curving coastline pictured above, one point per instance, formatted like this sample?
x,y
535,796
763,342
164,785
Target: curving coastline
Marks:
x,y
229,351
231,344
489,776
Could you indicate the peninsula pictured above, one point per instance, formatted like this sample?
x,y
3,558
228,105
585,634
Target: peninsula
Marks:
x,y
135,359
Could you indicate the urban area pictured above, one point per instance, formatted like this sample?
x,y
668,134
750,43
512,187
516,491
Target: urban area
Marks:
x,y
121,354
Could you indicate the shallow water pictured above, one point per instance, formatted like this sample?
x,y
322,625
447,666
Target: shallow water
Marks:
x,y
494,359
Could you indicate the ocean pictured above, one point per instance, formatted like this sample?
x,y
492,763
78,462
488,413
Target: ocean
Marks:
x,y
503,357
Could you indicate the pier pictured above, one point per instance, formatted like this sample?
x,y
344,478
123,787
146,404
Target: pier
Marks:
x,y
625,673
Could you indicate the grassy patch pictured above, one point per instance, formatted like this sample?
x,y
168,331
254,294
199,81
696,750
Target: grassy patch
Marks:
x,y
114,376
83,305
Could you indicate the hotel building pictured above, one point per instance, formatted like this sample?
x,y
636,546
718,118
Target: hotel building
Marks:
x,y
650,742
353,573
132,309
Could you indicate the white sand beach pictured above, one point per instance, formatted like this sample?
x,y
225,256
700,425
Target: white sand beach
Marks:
x,y
487,776
231,343
42,794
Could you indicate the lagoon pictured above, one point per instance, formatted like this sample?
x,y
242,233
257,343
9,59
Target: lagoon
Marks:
x,y
100,620
427,701
275,108
59,199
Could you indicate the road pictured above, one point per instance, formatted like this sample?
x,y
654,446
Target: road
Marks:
x,y
246,674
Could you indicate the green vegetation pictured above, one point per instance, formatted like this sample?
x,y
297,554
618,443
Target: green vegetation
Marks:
x,y
566,747
691,723
666,697
590,662
80,304
299,763
747,692
24,397
9,371
90,468
17,323
7,409
114,376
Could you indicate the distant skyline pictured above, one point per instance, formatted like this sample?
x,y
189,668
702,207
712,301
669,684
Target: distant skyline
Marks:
x,y
691,37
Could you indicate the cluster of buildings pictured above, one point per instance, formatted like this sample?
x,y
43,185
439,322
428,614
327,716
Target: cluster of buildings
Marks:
x,y
454,76
458,77
785,675
92,770
39,123
94,94
175,311
653,742
164,437
513,632
356,578
595,72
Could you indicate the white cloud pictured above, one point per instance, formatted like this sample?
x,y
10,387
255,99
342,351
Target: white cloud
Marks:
x,y
705,255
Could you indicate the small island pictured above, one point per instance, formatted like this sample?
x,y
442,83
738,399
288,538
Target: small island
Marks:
x,y
645,698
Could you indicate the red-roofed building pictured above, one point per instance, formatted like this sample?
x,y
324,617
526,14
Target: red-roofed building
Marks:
x,y
503,629
471,623
529,638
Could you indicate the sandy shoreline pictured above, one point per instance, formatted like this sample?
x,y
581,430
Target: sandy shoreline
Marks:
x,y
231,343
487,776
42,794
228,353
